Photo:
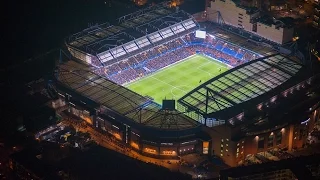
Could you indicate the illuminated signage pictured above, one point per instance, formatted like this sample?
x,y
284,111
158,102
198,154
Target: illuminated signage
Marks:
x,y
205,147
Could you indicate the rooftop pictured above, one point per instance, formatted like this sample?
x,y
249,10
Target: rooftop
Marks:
x,y
100,38
250,10
132,106
240,85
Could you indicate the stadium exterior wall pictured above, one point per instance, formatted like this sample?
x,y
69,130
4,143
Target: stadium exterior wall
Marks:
x,y
149,141
234,142
233,148
86,58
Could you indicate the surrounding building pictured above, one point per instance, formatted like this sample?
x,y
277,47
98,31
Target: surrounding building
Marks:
x,y
316,15
304,167
265,5
249,19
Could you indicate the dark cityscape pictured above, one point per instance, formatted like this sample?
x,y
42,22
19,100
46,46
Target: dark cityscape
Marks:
x,y
154,89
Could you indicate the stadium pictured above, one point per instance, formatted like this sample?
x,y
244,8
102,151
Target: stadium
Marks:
x,y
161,83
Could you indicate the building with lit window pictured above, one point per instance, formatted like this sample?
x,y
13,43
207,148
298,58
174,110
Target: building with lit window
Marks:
x,y
316,16
249,19
254,102
304,167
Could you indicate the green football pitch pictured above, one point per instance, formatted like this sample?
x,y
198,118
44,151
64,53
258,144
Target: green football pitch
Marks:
x,y
176,80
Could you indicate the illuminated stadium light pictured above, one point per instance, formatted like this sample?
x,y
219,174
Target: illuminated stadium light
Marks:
x,y
240,116
295,38
135,133
115,126
273,99
306,121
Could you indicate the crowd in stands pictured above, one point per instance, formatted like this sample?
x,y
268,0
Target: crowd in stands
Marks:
x,y
164,55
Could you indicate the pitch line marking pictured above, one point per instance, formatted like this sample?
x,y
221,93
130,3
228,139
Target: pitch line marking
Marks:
x,y
167,83
179,87
182,61
193,58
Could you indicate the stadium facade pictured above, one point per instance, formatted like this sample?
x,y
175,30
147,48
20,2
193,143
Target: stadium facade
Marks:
x,y
131,118
230,116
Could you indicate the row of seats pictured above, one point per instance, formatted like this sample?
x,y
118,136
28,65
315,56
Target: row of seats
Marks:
x,y
161,56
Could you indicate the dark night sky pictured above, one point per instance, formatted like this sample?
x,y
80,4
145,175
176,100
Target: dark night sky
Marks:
x,y
36,26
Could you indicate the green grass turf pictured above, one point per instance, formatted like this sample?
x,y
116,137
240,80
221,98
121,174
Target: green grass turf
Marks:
x,y
176,80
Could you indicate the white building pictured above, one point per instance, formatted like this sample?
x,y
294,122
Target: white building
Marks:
x,y
248,19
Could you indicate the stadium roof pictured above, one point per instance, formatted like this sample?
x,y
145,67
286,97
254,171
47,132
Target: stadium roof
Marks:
x,y
151,24
119,99
240,84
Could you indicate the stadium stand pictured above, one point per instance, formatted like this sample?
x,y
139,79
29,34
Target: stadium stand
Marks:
x,y
106,44
150,61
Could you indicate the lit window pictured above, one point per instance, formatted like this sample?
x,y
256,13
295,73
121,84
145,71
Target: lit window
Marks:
x,y
227,150
221,140
221,155
238,144
237,154
221,145
241,152
242,147
242,142
227,139
227,145
237,150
